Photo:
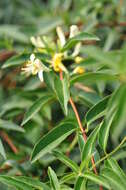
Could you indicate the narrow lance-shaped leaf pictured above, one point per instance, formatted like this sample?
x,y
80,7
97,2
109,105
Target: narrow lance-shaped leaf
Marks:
x,y
66,161
53,179
9,125
2,151
21,58
80,183
111,163
88,148
113,179
33,182
97,111
12,181
111,112
78,38
118,124
68,177
37,106
98,179
52,139
91,78
61,88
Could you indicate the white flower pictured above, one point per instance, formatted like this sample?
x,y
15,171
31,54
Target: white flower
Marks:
x,y
61,36
34,66
37,42
74,30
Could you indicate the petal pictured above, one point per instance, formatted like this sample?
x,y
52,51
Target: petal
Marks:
x,y
32,57
33,40
61,36
40,75
73,31
76,50
40,44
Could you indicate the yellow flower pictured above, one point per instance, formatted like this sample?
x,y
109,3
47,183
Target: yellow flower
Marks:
x,y
79,70
57,61
78,59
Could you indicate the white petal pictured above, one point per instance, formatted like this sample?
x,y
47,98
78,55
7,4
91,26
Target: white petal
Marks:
x,y
38,64
40,75
76,50
40,44
73,31
33,40
32,57
61,36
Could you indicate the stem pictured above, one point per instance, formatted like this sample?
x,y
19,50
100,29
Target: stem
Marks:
x,y
81,128
9,142
110,154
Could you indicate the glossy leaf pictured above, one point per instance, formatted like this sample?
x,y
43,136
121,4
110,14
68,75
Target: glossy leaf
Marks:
x,y
22,58
2,151
12,181
53,179
113,179
52,139
61,88
111,111
112,164
97,111
78,38
80,183
33,182
101,180
9,125
89,147
91,78
71,164
37,106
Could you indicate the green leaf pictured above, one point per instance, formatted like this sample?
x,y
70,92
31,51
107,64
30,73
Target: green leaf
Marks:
x,y
49,79
37,106
61,88
78,38
53,179
52,139
71,164
80,183
33,182
113,179
91,78
2,151
16,60
103,58
9,125
20,59
68,177
101,180
118,124
12,181
97,111
88,98
110,115
88,148
112,164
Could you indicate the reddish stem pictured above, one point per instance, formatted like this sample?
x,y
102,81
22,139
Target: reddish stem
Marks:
x,y
81,128
9,142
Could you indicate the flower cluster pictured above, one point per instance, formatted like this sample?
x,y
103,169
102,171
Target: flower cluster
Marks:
x,y
35,66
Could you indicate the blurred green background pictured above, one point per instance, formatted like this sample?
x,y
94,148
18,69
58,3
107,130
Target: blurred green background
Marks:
x,y
21,19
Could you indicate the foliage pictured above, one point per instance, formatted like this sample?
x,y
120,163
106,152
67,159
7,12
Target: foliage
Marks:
x,y
62,95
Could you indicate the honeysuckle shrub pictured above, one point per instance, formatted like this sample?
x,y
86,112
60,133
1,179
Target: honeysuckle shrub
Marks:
x,y
62,95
